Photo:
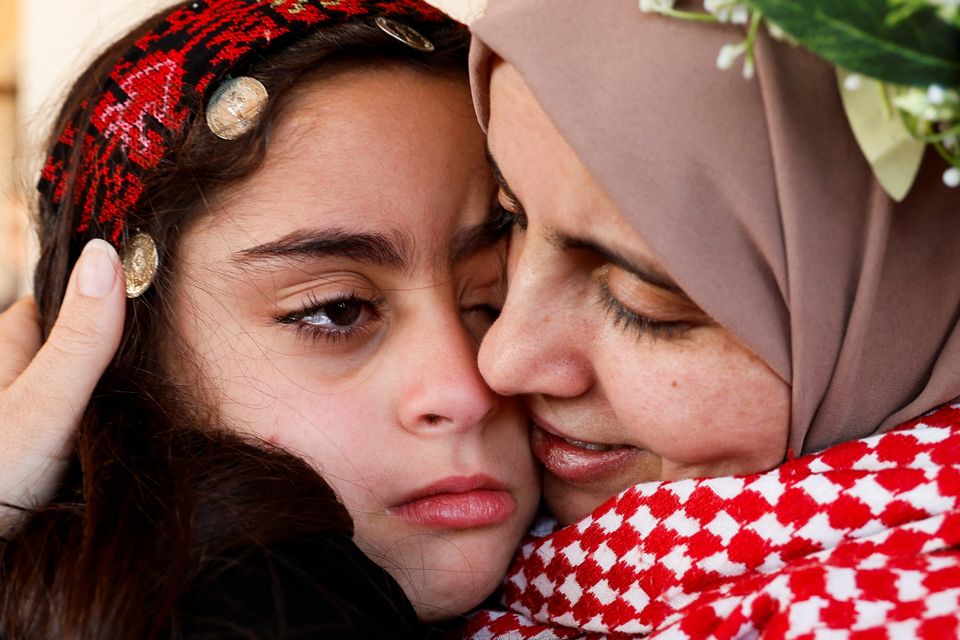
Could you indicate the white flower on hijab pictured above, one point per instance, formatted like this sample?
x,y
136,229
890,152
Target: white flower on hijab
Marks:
x,y
656,5
731,11
930,115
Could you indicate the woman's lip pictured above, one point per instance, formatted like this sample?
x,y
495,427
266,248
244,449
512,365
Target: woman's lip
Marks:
x,y
462,502
574,464
544,425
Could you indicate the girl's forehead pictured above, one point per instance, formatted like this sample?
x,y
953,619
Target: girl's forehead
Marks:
x,y
389,163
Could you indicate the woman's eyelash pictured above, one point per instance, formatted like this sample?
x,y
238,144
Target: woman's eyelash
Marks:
x,y
332,334
627,320
507,218
502,218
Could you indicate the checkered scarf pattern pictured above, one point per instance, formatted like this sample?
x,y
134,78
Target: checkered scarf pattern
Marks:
x,y
859,541
157,88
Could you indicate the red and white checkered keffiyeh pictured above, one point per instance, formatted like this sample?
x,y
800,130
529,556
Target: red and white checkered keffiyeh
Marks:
x,y
859,541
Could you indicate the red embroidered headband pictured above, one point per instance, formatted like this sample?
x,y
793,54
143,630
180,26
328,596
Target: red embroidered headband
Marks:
x,y
157,89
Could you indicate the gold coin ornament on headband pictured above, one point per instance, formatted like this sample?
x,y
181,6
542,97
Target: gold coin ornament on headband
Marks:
x,y
407,35
898,67
236,106
140,264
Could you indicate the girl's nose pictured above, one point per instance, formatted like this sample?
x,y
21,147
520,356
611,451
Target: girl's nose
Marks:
x,y
442,389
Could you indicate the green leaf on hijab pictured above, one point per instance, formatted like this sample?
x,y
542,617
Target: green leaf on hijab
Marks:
x,y
856,35
892,152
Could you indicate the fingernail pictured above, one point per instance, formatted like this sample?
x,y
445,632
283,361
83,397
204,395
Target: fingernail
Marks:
x,y
97,269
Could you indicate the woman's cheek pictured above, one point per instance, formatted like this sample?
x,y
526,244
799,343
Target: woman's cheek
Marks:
x,y
701,401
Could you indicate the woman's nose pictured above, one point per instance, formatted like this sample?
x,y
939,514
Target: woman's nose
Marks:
x,y
540,343
442,389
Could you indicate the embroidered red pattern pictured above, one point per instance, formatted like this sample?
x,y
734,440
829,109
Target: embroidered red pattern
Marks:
x,y
161,84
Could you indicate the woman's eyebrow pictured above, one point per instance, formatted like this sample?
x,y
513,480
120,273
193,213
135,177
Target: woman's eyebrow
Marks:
x,y
643,269
391,251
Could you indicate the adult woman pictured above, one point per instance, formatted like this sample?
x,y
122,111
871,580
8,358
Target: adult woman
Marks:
x,y
695,292
348,315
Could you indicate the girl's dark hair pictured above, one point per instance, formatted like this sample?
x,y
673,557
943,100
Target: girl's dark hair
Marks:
x,y
167,525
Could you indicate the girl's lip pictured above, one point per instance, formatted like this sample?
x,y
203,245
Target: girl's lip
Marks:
x,y
575,464
461,502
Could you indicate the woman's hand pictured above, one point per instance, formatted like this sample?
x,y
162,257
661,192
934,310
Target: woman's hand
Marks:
x,y
44,389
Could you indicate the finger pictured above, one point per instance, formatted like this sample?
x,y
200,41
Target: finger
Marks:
x,y
81,344
19,339
40,410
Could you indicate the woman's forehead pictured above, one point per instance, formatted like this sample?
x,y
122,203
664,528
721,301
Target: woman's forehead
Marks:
x,y
557,194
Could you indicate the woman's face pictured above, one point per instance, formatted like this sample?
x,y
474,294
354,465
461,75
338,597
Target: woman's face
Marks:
x,y
626,378
334,303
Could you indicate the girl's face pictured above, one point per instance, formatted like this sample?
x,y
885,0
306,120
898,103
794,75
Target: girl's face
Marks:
x,y
334,303
626,378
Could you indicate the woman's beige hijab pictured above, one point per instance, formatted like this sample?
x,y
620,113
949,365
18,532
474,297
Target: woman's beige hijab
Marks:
x,y
757,200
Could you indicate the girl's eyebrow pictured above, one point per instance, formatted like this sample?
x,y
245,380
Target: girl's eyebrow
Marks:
x,y
391,251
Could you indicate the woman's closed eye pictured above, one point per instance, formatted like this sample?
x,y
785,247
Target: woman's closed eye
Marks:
x,y
627,319
346,317
644,309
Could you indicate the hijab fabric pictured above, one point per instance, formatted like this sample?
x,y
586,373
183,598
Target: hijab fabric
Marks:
x,y
757,200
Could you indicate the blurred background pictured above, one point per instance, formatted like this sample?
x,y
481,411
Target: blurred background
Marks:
x,y
43,46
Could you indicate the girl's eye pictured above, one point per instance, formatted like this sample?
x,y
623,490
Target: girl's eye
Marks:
x,y
344,318
487,311
341,313
479,318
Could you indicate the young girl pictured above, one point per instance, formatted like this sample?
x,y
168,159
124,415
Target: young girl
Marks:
x,y
301,199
